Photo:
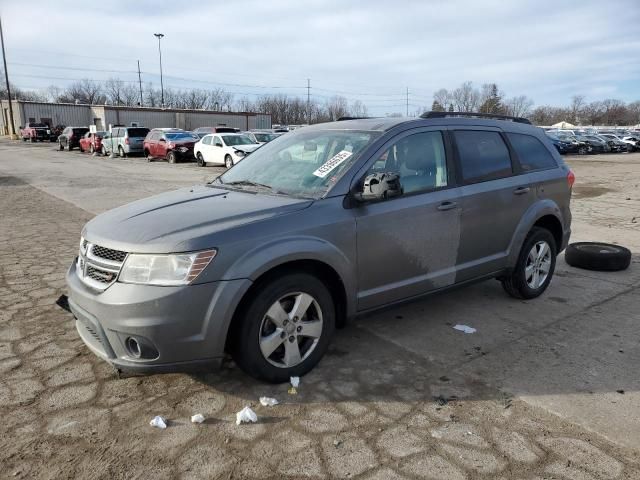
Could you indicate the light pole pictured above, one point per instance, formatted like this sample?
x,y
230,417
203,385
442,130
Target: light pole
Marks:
x,y
12,130
159,37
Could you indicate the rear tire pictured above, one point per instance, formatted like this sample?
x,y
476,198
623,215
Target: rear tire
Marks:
x,y
535,266
148,156
80,148
228,161
254,332
121,152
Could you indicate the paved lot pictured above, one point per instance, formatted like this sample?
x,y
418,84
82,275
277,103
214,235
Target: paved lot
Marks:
x,y
532,395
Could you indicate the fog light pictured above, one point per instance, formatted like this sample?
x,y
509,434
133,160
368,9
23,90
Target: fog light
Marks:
x,y
133,347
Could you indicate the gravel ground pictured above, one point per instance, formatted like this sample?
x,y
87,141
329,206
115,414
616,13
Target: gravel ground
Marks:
x,y
399,395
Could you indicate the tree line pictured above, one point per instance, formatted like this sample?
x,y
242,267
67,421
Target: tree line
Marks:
x,y
294,110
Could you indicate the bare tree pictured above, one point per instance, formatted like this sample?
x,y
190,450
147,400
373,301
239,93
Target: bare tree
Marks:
x,y
113,90
519,106
85,91
466,98
575,109
358,109
337,106
442,97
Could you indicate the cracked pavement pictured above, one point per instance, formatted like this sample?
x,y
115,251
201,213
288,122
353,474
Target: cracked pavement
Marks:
x,y
534,394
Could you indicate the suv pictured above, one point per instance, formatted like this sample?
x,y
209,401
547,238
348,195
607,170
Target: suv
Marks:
x,y
330,221
70,137
171,144
124,140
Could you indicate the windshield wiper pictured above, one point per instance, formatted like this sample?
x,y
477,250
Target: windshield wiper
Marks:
x,y
249,183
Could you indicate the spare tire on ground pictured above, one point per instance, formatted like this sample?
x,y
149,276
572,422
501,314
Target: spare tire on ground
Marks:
x,y
598,256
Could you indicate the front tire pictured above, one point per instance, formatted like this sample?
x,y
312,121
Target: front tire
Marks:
x,y
284,329
92,149
534,269
200,159
121,152
228,161
171,157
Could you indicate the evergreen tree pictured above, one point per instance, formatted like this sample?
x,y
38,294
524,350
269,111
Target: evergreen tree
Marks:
x,y
436,107
451,107
493,103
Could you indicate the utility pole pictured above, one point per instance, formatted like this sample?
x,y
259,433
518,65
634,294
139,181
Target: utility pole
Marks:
x,y
140,82
309,101
6,77
407,101
159,37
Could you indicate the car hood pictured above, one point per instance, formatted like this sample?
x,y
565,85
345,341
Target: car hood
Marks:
x,y
246,148
184,220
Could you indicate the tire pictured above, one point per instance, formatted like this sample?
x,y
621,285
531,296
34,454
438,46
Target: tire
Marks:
x,y
522,282
24,139
603,257
121,152
80,148
582,150
148,156
61,146
103,151
200,160
69,147
32,140
228,161
252,324
171,157
92,149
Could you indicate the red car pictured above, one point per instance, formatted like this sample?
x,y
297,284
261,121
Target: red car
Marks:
x,y
91,142
171,144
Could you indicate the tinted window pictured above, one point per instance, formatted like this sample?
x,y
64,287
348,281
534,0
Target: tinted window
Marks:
x,y
533,155
80,131
137,132
483,155
419,159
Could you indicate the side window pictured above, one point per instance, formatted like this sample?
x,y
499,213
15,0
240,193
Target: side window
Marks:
x,y
207,140
419,159
483,156
217,141
533,155
155,136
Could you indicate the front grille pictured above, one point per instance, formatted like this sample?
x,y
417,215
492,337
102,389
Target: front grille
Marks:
x,y
98,266
108,253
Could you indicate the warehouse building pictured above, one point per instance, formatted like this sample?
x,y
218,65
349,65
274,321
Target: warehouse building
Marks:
x,y
102,116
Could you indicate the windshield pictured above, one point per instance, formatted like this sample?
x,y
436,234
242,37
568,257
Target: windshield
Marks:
x,y
181,136
237,140
264,137
305,164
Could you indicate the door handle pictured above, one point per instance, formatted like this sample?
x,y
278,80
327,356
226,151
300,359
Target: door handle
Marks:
x,y
447,206
521,190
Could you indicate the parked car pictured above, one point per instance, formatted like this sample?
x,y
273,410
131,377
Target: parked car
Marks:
x,y
597,145
56,132
171,144
633,140
202,131
260,136
223,149
70,137
583,148
91,142
331,221
564,145
619,142
35,131
124,140
614,144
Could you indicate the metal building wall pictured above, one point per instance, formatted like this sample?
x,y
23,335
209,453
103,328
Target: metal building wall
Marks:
x,y
148,118
213,119
58,113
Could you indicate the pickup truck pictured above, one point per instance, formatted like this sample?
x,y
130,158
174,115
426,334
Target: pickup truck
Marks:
x,y
35,132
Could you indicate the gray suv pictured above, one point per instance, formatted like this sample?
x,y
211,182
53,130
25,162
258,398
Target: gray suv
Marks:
x,y
124,141
325,223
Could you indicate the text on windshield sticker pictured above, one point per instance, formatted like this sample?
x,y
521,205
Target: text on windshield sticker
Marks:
x,y
332,163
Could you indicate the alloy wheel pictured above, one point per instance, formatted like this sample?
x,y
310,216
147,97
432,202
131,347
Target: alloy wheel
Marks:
x,y
538,265
290,330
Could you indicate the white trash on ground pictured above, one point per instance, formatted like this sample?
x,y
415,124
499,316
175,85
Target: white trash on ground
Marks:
x,y
268,401
246,415
197,418
465,328
158,422
295,382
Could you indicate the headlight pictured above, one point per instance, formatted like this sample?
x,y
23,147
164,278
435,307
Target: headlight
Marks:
x,y
165,270
239,153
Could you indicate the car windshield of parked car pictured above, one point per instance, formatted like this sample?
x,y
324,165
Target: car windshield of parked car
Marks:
x,y
181,136
232,140
100,134
305,164
265,137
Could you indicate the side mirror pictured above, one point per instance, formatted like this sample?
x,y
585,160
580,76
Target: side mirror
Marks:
x,y
379,186
21,127
218,144
162,140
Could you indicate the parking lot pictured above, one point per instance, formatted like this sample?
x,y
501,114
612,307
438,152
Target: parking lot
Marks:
x,y
546,388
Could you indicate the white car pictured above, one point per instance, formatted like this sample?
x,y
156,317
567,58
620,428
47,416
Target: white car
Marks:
x,y
223,149
262,137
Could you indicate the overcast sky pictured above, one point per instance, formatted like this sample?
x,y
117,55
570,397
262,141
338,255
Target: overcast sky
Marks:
x,y
367,50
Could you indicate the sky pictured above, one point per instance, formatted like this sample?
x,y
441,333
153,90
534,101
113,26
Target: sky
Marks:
x,y
363,50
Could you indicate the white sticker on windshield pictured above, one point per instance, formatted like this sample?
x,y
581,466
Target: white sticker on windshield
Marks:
x,y
332,163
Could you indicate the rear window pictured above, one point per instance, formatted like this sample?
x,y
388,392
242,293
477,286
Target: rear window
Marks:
x,y
80,131
532,154
483,156
226,130
137,132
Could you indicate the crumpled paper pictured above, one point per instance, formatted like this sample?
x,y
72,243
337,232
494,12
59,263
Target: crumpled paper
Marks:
x,y
197,418
246,415
268,401
158,422
465,328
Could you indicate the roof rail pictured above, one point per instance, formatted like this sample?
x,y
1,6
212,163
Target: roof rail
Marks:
x,y
341,119
493,116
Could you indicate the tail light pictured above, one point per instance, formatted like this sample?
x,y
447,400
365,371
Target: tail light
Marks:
x,y
126,140
571,178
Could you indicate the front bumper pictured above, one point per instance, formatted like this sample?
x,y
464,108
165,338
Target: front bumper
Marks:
x,y
178,327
